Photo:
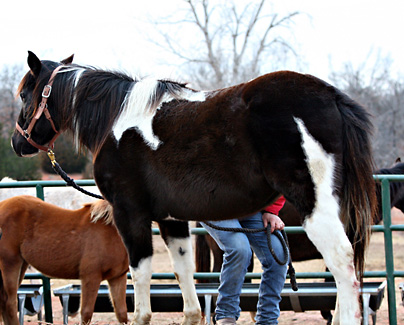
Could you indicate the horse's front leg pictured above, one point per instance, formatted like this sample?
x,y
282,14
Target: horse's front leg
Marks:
x,y
12,271
178,241
89,290
135,231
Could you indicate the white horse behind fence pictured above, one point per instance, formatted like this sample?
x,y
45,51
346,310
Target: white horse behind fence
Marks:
x,y
64,197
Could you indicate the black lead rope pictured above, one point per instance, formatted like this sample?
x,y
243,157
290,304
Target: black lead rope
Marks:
x,y
281,234
56,167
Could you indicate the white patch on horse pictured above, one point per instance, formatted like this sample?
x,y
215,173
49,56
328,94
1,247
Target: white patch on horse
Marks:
x,y
76,77
180,251
138,112
141,277
192,95
324,227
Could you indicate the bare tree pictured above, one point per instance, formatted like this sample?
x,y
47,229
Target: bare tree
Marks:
x,y
383,95
229,42
10,77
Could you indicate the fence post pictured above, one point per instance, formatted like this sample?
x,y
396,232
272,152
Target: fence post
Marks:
x,y
45,280
39,192
47,299
388,250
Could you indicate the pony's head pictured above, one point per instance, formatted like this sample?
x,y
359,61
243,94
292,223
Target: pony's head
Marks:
x,y
36,127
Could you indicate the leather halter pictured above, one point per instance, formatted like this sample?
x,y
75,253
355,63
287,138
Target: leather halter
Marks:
x,y
42,109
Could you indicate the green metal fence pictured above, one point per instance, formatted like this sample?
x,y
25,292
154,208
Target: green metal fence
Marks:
x,y
387,228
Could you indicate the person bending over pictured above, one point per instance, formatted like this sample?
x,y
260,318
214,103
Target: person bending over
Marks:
x,y
236,259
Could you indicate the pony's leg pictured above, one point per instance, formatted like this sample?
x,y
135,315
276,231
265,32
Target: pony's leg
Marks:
x,y
117,289
23,269
11,271
89,292
325,229
178,242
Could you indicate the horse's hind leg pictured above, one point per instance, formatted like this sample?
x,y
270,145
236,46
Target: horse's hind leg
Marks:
x,y
330,239
117,288
325,230
178,241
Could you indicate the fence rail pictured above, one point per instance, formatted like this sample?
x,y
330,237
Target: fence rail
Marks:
x,y
387,228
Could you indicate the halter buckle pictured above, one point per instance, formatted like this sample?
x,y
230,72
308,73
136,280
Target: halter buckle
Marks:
x,y
46,91
26,134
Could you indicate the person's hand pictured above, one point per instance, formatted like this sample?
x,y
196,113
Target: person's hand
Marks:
x,y
274,221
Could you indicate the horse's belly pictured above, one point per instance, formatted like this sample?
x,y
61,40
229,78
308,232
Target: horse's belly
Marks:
x,y
218,205
53,261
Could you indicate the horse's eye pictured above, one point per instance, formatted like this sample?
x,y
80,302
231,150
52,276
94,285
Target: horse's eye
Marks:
x,y
22,96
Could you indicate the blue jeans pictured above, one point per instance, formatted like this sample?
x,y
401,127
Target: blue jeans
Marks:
x,y
236,258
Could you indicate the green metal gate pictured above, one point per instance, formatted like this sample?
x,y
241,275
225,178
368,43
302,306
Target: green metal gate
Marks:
x,y
387,228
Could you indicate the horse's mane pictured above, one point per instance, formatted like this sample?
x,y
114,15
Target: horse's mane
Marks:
x,y
92,100
89,101
101,210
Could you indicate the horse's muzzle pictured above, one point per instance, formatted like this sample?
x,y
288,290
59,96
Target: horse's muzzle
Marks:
x,y
21,146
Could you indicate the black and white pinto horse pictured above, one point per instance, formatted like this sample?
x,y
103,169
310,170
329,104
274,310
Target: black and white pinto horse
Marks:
x,y
167,153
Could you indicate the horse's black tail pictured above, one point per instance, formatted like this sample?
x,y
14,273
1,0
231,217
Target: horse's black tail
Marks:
x,y
202,254
358,197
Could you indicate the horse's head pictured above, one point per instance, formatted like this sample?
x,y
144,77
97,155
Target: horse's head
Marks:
x,y
37,125
396,188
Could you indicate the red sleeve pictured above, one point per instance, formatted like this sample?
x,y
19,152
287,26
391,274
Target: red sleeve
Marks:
x,y
275,207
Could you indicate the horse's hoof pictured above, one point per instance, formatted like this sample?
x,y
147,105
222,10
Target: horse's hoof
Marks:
x,y
142,319
192,317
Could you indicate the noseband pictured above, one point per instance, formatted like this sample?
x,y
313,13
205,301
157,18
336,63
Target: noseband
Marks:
x,y
42,109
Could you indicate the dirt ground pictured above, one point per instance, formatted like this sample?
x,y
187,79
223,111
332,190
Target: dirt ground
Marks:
x,y
375,261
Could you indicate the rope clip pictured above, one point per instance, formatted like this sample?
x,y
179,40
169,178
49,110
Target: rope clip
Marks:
x,y
51,156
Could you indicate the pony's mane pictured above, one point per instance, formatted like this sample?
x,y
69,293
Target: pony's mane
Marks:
x,y
101,210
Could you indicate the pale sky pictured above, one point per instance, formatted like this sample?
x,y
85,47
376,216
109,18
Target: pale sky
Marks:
x,y
113,34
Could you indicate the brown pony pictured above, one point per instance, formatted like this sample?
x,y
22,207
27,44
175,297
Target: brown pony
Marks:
x,y
61,243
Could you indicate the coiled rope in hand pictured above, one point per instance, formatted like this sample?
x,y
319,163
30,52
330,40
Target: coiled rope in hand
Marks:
x,y
281,234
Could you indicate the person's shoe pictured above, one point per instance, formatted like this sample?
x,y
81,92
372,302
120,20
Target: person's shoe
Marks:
x,y
226,321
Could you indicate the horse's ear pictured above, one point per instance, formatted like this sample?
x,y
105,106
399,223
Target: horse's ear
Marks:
x,y
68,60
34,64
398,160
